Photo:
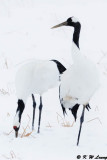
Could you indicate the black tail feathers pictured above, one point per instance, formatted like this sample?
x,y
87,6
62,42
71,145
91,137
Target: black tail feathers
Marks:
x,y
74,111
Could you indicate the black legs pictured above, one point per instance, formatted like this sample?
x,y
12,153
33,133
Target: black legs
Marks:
x,y
81,121
63,109
19,111
34,107
40,111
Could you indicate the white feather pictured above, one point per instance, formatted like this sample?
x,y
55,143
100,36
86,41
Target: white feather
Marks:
x,y
80,81
36,77
16,120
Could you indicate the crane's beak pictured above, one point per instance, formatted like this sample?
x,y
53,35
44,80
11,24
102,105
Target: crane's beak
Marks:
x,y
16,134
16,131
59,25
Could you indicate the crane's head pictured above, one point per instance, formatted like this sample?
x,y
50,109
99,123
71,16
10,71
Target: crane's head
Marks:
x,y
16,124
16,130
72,21
17,118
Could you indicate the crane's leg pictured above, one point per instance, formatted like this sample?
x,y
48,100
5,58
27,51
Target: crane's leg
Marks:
x,y
81,121
63,109
17,119
34,107
40,112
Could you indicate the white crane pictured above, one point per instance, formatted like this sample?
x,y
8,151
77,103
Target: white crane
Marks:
x,y
35,77
77,27
81,80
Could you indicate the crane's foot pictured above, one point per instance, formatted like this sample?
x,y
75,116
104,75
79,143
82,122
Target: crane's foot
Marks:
x,y
88,107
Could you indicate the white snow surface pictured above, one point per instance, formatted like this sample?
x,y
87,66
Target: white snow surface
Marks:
x,y
80,81
25,34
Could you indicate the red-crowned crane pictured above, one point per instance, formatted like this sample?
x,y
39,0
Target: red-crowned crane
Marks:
x,y
81,80
35,77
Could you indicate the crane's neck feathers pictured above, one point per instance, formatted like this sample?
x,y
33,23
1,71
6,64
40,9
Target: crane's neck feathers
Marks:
x,y
77,28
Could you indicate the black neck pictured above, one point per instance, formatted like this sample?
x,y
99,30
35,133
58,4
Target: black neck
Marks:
x,y
20,108
76,34
60,67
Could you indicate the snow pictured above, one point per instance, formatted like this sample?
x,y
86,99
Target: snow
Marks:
x,y
25,34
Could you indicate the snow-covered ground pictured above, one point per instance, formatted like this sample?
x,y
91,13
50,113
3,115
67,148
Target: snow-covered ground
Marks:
x,y
25,34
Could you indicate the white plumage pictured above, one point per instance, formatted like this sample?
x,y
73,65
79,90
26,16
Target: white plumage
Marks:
x,y
80,81
36,77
